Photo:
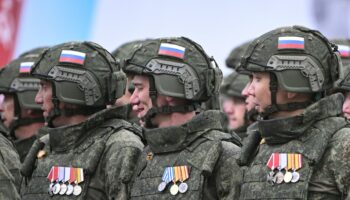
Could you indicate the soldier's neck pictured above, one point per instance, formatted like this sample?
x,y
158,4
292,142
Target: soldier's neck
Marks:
x,y
69,120
27,131
282,114
173,119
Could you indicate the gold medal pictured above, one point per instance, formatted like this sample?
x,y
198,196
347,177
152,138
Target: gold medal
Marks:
x,y
174,189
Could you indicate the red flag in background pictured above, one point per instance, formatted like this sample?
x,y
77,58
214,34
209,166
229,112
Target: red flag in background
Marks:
x,y
9,21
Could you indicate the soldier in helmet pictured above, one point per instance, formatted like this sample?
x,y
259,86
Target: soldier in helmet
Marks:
x,y
304,151
344,85
121,53
88,152
233,102
21,115
9,167
188,156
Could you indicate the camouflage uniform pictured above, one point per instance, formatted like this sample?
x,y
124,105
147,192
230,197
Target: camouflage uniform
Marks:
x,y
200,143
9,170
105,146
319,135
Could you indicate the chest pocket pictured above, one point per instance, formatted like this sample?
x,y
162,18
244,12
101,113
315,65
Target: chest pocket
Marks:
x,y
255,177
201,159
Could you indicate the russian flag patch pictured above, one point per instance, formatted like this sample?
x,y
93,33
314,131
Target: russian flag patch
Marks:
x,y
69,56
344,51
172,50
25,67
290,43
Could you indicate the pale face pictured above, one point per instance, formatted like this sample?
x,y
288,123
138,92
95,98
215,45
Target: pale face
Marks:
x,y
7,109
235,109
259,89
44,97
346,105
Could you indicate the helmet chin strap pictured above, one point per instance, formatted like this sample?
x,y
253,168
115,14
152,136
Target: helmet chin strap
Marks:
x,y
152,112
274,107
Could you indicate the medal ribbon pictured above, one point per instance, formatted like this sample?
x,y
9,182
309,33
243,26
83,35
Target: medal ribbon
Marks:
x,y
177,174
60,174
184,173
66,174
298,162
54,174
171,173
283,161
50,175
290,161
275,161
72,175
81,174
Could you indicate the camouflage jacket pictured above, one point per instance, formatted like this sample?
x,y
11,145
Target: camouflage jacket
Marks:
x,y
23,145
9,170
105,146
210,154
323,141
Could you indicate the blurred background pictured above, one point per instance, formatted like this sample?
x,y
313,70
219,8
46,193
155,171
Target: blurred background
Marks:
x,y
218,25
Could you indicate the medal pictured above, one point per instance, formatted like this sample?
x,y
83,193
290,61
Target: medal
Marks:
x,y
166,179
63,189
56,188
79,177
297,165
272,163
71,180
174,189
282,165
288,177
279,177
77,190
52,177
184,175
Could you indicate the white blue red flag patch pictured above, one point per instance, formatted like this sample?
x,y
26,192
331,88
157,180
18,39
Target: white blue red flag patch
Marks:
x,y
25,67
290,42
344,51
173,50
70,56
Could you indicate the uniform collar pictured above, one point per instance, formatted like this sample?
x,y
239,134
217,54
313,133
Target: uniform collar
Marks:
x,y
68,137
282,130
175,138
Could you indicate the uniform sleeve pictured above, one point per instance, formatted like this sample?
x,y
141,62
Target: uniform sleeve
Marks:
x,y
121,155
228,173
7,183
339,157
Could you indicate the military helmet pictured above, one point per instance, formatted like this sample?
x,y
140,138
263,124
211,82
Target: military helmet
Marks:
x,y
235,55
303,60
344,51
179,67
16,79
233,85
83,73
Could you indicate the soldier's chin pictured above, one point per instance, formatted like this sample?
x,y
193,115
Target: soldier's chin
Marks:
x,y
346,115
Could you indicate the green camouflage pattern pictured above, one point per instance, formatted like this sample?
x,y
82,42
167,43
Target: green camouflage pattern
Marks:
x,y
234,58
105,146
323,140
210,154
233,85
96,82
9,170
343,85
23,146
195,77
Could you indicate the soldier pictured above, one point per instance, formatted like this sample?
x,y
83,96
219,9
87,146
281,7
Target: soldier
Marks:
x,y
121,53
21,115
304,153
344,85
88,152
188,156
233,102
